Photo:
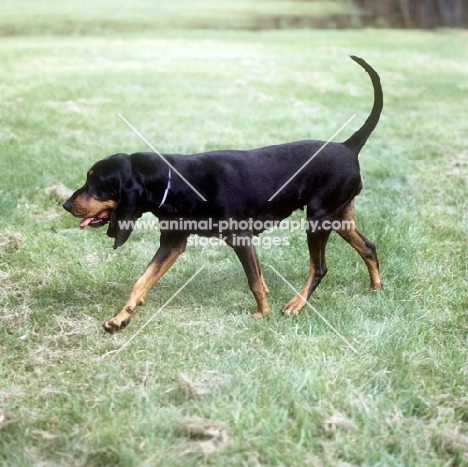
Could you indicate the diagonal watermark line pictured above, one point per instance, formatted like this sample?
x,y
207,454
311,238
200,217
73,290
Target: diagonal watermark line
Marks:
x,y
161,156
316,312
316,153
115,352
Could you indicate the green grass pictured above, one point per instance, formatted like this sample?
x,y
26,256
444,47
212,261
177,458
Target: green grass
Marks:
x,y
289,391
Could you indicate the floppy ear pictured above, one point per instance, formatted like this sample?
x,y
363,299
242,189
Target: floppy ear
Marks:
x,y
127,212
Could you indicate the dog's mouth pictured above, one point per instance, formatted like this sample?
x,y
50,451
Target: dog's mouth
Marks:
x,y
98,221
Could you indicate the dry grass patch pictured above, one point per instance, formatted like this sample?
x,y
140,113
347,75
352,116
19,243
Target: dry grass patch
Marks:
x,y
338,421
13,315
190,389
60,346
455,441
6,418
207,436
10,240
58,192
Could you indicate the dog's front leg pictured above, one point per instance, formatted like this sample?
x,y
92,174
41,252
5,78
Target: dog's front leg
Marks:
x,y
245,251
172,245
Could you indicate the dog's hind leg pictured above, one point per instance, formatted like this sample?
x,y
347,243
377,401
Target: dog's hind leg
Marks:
x,y
317,243
361,244
245,251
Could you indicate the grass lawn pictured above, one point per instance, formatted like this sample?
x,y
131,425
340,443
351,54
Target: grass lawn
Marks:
x,y
279,392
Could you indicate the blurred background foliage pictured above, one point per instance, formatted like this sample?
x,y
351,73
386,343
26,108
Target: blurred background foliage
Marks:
x,y
414,13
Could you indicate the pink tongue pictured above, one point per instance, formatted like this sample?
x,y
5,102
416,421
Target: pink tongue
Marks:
x,y
85,222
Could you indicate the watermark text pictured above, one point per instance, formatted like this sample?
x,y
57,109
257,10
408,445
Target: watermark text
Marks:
x,y
234,225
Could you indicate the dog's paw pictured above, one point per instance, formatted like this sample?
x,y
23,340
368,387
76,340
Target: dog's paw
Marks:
x,y
261,313
290,311
115,324
294,307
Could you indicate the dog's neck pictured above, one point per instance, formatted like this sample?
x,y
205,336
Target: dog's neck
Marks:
x,y
166,192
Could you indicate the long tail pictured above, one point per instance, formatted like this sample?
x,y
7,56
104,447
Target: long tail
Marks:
x,y
358,139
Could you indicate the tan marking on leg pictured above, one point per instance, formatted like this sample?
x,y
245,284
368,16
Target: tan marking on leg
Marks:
x,y
298,302
249,260
153,273
265,287
317,269
362,245
258,290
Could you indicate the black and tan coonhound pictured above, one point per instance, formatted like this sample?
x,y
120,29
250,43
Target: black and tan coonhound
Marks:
x,y
234,184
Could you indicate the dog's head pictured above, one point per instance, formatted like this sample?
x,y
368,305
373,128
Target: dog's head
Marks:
x,y
111,195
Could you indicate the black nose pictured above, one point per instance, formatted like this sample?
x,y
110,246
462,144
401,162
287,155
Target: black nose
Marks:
x,y
67,205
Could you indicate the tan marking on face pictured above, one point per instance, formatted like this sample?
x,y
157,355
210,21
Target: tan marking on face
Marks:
x,y
90,172
89,206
